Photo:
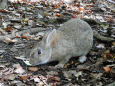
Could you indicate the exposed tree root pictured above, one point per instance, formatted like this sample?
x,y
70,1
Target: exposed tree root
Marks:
x,y
102,38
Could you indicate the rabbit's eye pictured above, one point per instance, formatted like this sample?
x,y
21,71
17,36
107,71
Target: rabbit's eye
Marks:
x,y
39,51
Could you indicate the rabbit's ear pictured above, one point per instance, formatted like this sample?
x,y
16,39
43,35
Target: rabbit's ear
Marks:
x,y
51,38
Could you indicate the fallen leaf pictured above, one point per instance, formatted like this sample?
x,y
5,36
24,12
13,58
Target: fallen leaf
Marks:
x,y
109,18
18,69
36,79
8,40
108,55
26,21
113,43
58,15
9,29
10,77
42,77
2,11
101,46
24,77
80,9
24,37
97,75
87,11
107,69
72,62
33,69
40,84
68,1
17,36
38,37
53,78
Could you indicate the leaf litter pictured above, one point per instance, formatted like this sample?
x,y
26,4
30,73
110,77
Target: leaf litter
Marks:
x,y
98,70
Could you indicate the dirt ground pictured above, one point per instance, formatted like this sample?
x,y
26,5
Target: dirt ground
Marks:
x,y
98,70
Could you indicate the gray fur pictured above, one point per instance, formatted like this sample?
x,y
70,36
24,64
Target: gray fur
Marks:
x,y
74,38
3,4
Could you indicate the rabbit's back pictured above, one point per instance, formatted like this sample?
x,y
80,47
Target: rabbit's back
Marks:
x,y
79,36
75,27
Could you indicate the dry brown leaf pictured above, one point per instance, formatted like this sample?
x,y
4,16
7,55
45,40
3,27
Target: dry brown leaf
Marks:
x,y
24,37
9,29
24,77
107,69
56,6
74,16
80,9
26,21
52,78
17,36
2,11
58,15
33,69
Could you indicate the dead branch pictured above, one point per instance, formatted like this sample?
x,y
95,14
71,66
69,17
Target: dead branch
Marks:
x,y
102,38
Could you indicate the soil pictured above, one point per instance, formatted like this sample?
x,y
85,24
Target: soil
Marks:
x,y
98,70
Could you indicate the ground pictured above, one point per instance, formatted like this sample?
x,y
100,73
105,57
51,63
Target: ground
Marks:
x,y
19,28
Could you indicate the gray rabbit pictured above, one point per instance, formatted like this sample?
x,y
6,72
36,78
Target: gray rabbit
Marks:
x,y
73,38
3,4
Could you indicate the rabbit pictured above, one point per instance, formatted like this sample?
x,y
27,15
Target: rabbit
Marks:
x,y
73,38
3,4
